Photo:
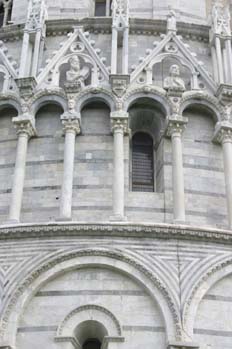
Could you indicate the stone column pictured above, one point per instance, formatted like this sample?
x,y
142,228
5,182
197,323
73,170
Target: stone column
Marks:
x,y
119,122
174,129
229,58
114,51
125,51
36,53
24,55
71,129
214,61
223,135
219,59
25,130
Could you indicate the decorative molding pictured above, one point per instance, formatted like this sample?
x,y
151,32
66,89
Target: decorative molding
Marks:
x,y
182,345
86,308
90,252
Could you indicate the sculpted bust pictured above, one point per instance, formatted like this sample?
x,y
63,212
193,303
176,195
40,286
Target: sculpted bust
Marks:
x,y
76,75
173,81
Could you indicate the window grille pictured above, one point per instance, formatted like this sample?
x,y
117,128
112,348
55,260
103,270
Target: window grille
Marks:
x,y
142,163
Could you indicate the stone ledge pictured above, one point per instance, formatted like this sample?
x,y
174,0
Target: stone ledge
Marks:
x,y
123,229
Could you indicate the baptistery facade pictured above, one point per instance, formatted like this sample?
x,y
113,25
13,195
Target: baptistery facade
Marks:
x,y
116,174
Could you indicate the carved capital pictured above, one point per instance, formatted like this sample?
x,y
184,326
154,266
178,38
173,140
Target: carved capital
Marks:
x,y
223,132
25,125
175,126
71,125
119,121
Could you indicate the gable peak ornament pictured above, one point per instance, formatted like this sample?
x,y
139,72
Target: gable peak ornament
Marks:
x,y
221,19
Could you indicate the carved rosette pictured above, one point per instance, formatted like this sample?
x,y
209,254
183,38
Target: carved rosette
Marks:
x,y
25,126
119,122
223,133
175,126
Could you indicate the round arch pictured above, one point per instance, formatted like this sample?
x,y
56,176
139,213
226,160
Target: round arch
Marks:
x,y
44,98
81,259
154,94
94,94
10,102
204,100
216,273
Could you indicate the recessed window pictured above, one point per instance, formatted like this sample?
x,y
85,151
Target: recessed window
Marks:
x,y
92,343
102,8
142,163
1,15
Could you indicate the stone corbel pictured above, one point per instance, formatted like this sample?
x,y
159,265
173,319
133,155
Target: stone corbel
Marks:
x,y
182,345
26,86
112,342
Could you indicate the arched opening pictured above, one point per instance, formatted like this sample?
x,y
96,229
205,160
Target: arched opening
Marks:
x,y
203,169
146,123
93,169
44,168
8,145
142,162
92,343
90,334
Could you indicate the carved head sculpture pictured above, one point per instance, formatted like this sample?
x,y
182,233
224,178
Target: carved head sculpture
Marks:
x,y
74,63
174,70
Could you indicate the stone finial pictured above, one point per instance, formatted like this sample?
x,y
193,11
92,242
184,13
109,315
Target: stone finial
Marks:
x,y
171,22
37,14
120,12
221,19
173,82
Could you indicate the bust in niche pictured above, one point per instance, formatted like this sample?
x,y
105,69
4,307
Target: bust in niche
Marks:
x,y
76,75
173,81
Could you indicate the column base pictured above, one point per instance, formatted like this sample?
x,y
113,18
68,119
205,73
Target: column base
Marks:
x,y
64,219
180,222
118,218
12,221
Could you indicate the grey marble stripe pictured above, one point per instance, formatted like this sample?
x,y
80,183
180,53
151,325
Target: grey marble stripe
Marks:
x,y
30,329
143,328
198,167
210,297
213,332
8,140
90,292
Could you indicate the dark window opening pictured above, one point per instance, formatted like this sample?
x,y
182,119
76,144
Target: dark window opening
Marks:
x,y
100,8
1,15
142,163
92,343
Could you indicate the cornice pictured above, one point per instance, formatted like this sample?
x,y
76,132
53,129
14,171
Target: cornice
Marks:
x,y
143,26
128,230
